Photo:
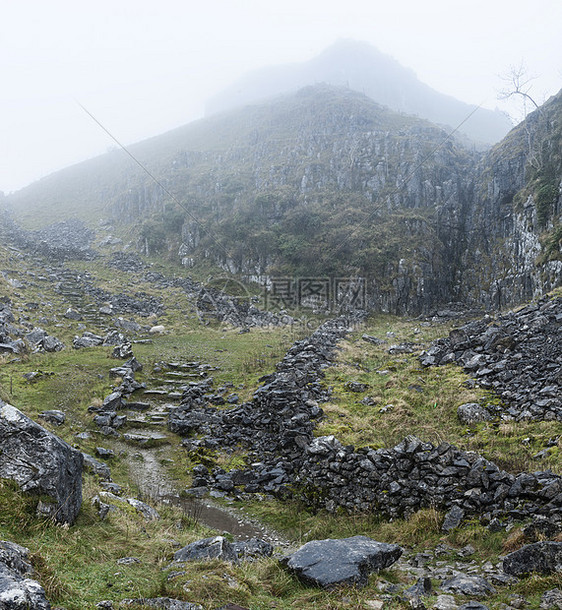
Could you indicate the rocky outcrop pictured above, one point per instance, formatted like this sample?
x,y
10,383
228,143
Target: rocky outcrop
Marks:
x,y
18,590
511,253
540,557
348,561
40,463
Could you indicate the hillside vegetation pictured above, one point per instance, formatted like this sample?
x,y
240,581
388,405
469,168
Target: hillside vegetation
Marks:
x,y
78,566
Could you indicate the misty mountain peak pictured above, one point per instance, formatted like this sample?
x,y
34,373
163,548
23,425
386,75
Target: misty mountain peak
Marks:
x,y
362,67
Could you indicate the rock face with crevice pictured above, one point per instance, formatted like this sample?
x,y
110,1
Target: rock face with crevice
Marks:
x,y
40,463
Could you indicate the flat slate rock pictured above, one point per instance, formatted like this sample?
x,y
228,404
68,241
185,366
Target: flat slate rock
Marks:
x,y
348,561
541,557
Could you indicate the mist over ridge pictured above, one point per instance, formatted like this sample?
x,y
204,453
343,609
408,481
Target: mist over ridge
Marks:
x,y
362,67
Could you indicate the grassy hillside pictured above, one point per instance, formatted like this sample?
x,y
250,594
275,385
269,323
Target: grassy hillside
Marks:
x,y
78,565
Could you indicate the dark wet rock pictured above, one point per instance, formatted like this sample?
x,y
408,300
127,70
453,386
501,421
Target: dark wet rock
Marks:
x,y
40,463
473,605
464,584
348,561
540,557
18,590
217,547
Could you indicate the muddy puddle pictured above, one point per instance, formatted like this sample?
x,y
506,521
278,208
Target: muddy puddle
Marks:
x,y
149,474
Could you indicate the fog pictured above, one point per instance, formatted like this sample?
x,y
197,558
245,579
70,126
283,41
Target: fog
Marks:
x,y
142,67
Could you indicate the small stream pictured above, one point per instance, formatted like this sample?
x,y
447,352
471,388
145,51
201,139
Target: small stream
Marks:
x,y
148,473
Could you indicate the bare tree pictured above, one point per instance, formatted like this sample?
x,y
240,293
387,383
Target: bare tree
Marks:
x,y
518,83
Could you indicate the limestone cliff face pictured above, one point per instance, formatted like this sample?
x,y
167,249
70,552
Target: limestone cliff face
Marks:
x,y
326,183
513,242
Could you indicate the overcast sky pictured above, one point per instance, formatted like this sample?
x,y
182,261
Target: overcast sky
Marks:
x,y
143,67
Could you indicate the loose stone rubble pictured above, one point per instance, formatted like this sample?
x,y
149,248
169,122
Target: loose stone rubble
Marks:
x,y
518,355
285,458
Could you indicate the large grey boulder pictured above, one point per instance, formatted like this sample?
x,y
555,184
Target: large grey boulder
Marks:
x,y
40,463
348,561
18,591
541,557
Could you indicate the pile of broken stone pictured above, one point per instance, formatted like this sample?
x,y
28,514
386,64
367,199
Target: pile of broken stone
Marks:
x,y
276,429
518,355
